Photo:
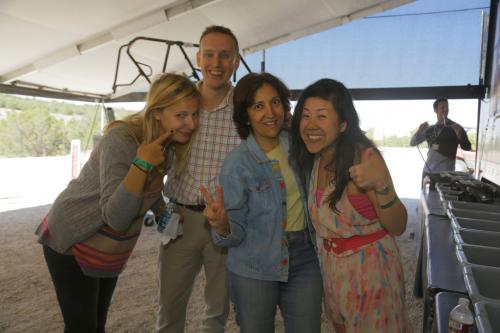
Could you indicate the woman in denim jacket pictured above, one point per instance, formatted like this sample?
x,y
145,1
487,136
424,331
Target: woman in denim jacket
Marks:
x,y
263,219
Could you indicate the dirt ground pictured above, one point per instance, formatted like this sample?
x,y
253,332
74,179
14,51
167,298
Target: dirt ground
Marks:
x,y
28,302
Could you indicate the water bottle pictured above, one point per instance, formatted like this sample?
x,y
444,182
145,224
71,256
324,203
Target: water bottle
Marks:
x,y
461,318
164,218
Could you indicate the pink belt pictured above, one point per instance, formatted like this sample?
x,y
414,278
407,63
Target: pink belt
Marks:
x,y
339,245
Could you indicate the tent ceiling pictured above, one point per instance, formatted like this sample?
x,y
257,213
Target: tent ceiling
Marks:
x,y
73,45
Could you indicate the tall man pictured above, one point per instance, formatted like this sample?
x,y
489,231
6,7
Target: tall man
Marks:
x,y
181,260
442,138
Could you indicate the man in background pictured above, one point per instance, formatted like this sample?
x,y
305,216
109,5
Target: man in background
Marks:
x,y
443,139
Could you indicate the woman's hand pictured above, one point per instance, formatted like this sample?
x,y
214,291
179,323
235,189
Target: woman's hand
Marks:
x,y
371,173
214,211
153,152
372,176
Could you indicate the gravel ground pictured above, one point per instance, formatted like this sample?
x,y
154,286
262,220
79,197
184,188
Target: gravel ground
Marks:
x,y
27,297
29,303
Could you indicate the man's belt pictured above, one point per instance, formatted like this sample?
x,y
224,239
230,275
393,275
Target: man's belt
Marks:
x,y
196,208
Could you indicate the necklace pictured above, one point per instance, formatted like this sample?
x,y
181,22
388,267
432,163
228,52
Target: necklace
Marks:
x,y
437,130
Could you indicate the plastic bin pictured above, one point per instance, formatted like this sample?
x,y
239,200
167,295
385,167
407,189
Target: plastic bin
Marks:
x,y
475,224
487,317
474,214
478,255
474,206
482,283
477,237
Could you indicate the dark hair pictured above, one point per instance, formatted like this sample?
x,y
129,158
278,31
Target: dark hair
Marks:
x,y
347,145
439,100
221,30
244,97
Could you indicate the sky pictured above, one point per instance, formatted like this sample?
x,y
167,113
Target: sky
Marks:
x,y
426,42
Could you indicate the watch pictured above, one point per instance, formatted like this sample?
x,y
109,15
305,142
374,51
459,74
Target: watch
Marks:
x,y
384,190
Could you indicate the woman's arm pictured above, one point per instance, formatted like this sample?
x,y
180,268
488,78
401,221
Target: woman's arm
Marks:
x,y
373,177
122,183
151,153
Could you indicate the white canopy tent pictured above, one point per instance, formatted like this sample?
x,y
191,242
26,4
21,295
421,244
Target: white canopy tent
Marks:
x,y
69,49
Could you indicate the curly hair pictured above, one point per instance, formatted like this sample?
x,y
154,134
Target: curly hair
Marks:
x,y
244,94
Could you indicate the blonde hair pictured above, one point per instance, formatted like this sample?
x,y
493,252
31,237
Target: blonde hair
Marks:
x,y
166,90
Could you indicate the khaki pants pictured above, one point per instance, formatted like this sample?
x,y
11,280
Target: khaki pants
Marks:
x,y
179,263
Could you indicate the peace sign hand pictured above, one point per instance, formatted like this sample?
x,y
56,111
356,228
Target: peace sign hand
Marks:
x,y
214,211
153,152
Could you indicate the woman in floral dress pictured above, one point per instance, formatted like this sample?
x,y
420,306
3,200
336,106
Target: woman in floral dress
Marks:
x,y
354,209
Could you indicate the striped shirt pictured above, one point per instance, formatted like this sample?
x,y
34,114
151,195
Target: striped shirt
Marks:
x,y
215,138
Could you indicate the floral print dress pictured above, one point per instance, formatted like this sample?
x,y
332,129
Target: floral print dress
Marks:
x,y
364,287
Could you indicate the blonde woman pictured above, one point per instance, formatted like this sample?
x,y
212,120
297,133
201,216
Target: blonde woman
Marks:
x,y
94,223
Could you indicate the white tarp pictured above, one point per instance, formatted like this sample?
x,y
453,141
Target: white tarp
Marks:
x,y
73,45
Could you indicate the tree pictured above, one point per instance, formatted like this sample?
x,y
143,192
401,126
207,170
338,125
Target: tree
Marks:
x,y
35,127
371,134
82,128
472,138
397,141
34,132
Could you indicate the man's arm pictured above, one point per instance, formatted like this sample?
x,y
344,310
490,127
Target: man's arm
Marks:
x,y
463,140
419,136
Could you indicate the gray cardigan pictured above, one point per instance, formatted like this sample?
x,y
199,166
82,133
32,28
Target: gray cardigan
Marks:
x,y
97,196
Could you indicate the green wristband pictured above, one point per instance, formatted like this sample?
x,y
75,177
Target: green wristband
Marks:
x,y
390,203
138,167
146,166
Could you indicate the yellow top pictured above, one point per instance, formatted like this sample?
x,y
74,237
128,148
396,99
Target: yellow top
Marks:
x,y
294,206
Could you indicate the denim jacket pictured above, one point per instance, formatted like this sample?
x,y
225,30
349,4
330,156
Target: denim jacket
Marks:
x,y
255,201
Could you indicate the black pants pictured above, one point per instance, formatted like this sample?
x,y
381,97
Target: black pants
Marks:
x,y
84,301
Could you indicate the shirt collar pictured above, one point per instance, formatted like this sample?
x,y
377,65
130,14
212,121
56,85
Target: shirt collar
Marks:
x,y
226,101
257,152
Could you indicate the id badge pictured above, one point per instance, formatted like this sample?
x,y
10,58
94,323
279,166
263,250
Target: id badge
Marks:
x,y
435,146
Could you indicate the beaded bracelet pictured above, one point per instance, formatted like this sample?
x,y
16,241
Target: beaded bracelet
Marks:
x,y
141,164
390,203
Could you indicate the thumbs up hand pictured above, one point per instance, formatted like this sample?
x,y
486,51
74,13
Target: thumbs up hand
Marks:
x,y
371,172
